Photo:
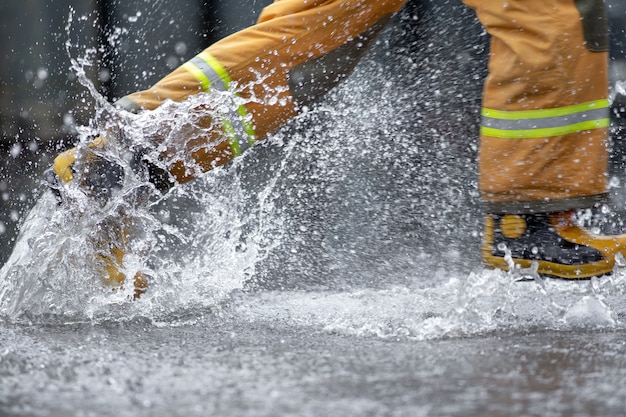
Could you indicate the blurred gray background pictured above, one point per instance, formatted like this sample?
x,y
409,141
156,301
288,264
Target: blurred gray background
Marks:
x,y
41,101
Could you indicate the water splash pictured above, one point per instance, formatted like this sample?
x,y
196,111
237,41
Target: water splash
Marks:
x,y
357,218
201,248
197,243
477,304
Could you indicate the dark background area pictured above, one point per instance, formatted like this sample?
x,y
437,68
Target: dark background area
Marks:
x,y
136,42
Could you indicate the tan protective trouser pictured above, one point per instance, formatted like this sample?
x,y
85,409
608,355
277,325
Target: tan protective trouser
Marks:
x,y
543,135
296,51
545,115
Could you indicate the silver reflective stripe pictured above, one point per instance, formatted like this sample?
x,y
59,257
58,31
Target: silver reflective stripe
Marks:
x,y
546,122
128,104
559,121
240,135
213,77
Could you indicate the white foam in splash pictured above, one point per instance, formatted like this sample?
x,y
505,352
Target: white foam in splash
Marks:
x,y
207,247
457,307
205,240
195,261
590,311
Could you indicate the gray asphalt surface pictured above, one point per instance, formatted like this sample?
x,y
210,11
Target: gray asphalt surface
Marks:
x,y
332,271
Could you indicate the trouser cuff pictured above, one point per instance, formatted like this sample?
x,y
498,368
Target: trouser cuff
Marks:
x,y
545,206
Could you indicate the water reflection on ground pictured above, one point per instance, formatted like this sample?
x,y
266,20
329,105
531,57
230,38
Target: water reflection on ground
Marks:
x,y
266,367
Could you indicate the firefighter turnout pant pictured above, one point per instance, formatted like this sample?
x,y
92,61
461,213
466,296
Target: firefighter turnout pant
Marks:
x,y
544,121
545,114
294,54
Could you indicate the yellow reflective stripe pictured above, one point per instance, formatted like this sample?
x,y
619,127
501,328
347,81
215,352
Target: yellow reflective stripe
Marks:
x,y
540,114
204,78
545,123
217,67
545,132
232,137
247,126
227,126
223,74
204,81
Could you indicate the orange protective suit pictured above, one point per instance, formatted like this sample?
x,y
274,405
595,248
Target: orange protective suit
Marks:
x,y
545,111
294,54
545,116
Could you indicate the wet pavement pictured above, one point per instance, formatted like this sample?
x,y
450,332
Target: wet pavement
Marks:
x,y
273,368
328,272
